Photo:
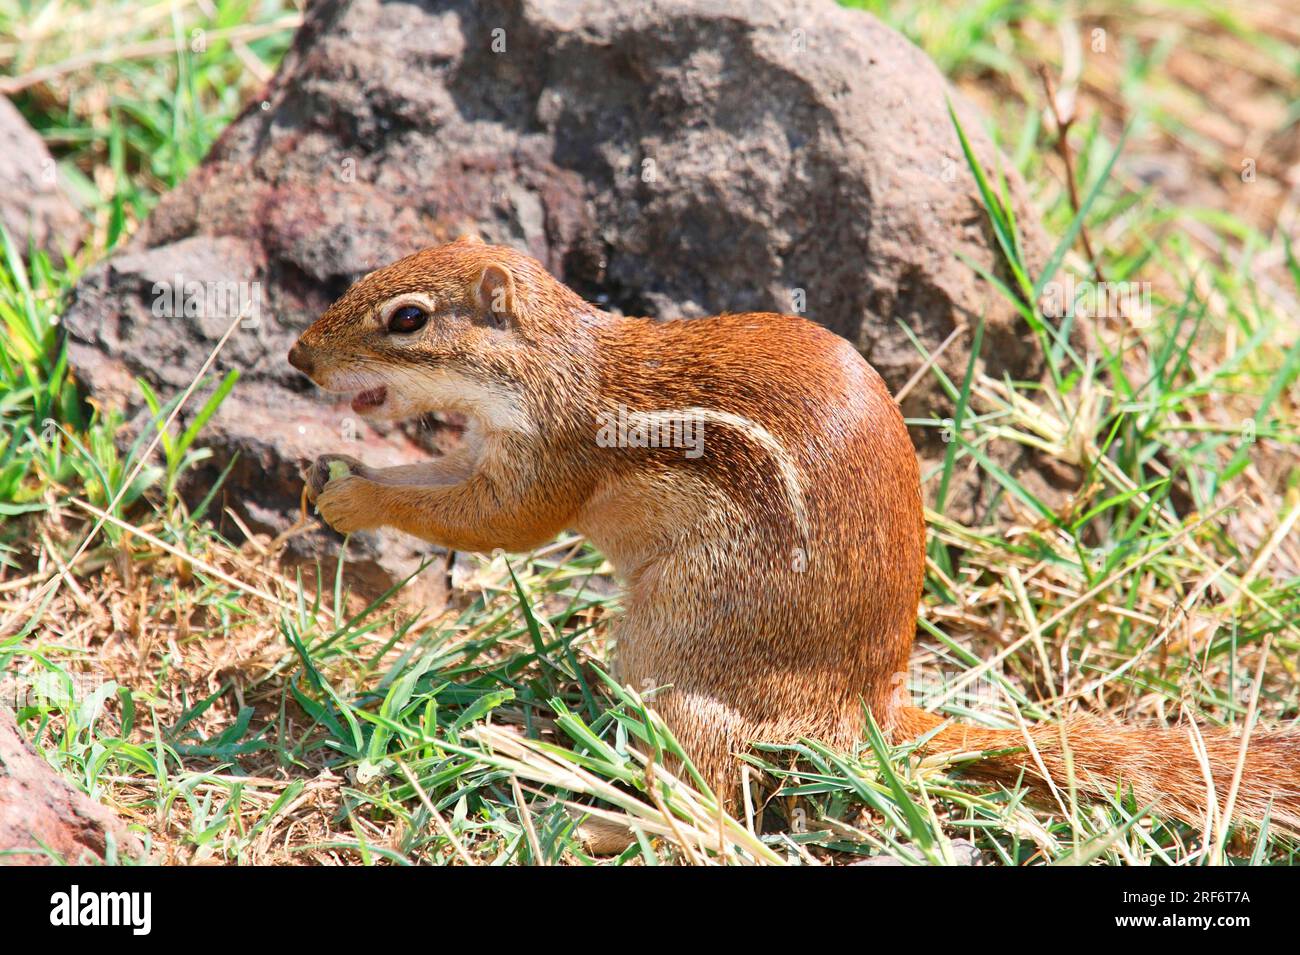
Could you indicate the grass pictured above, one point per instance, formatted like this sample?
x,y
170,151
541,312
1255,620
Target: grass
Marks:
x,y
236,711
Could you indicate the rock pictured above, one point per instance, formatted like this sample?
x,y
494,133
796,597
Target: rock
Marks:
x,y
674,158
38,808
33,205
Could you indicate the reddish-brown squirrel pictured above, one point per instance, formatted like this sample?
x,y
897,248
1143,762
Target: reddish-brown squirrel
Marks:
x,y
752,482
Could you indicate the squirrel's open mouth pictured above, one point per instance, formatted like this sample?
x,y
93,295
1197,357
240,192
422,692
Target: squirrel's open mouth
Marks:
x,y
369,400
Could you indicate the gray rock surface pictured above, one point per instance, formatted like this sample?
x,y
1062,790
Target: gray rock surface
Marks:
x,y
672,157
33,205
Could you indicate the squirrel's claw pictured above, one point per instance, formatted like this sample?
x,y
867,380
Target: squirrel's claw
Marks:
x,y
325,468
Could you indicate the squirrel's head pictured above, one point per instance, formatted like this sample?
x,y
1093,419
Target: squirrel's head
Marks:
x,y
457,327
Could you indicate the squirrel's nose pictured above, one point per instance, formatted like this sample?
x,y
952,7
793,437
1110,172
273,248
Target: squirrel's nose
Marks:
x,y
300,359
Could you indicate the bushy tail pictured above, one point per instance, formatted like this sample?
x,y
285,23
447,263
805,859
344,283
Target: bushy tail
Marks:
x,y
1159,765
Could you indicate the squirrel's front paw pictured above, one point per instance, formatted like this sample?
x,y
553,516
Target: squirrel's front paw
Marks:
x,y
348,504
329,467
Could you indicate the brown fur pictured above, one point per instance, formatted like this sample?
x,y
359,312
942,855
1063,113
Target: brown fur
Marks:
x,y
772,580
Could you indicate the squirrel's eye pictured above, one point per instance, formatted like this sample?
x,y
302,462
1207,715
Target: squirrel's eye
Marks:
x,y
408,318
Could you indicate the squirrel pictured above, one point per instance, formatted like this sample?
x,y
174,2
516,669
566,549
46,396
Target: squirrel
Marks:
x,y
753,484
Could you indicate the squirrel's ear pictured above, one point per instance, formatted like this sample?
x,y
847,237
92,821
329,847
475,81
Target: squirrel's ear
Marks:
x,y
469,238
496,293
